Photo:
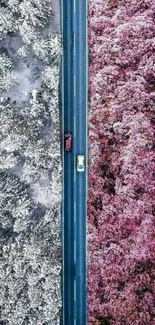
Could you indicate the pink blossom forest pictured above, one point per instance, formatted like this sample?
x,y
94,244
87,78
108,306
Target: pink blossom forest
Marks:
x,y
121,196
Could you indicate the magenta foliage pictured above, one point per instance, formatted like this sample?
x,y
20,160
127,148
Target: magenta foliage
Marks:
x,y
121,198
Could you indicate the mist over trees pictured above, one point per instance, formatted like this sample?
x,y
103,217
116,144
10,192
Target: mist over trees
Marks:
x,y
121,199
30,162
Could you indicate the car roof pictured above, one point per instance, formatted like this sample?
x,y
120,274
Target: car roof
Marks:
x,y
68,143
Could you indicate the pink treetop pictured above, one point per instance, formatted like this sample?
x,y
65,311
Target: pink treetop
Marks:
x,y
121,201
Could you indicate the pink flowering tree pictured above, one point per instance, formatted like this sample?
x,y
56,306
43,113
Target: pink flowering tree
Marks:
x,y
121,198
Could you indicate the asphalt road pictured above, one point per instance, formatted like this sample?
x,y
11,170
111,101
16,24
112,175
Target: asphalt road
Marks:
x,y
74,114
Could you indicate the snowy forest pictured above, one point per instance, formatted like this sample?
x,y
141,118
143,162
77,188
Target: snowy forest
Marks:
x,y
30,163
121,201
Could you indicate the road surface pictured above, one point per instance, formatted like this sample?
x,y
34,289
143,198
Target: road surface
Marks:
x,y
74,115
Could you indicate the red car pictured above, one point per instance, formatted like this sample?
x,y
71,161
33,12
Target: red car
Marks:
x,y
68,141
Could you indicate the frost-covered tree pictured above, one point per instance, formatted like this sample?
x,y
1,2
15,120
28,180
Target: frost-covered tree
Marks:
x,y
7,21
30,165
36,12
49,49
121,205
27,32
29,243
7,76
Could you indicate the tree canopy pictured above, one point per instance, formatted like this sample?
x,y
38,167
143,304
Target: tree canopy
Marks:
x,y
121,205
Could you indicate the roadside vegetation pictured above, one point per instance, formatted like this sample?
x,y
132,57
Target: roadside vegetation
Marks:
x,y
121,201
30,163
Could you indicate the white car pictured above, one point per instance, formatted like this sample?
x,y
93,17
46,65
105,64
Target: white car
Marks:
x,y
80,163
